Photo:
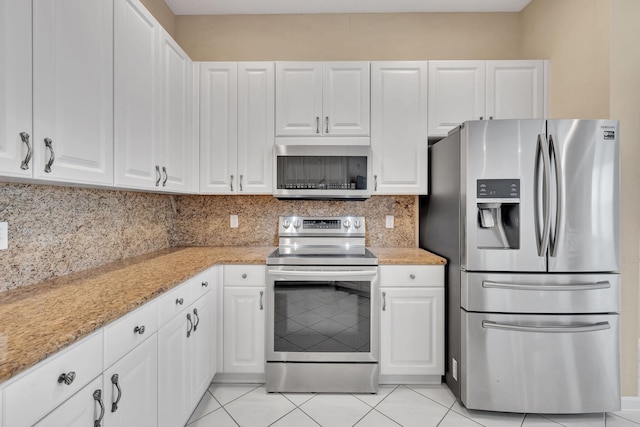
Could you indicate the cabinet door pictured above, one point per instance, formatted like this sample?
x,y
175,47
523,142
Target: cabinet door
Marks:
x,y
137,378
174,372
202,346
244,329
73,90
80,410
15,88
136,97
399,131
256,95
298,98
515,89
345,99
456,94
404,348
218,127
178,151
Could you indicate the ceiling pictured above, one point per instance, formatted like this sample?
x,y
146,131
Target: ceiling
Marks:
x,y
238,7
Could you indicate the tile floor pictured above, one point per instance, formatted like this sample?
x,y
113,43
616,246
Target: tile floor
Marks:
x,y
249,405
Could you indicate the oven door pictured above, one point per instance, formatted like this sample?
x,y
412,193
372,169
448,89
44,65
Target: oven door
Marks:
x,y
322,314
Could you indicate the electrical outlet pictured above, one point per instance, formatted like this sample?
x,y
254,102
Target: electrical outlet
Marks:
x,y
4,236
454,369
233,220
390,219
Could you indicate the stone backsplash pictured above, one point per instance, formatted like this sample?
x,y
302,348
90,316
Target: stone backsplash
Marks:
x,y
54,231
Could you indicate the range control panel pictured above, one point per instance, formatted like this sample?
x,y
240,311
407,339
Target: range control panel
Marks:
x,y
310,226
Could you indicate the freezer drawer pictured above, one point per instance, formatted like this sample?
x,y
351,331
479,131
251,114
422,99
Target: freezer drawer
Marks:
x,y
540,363
540,293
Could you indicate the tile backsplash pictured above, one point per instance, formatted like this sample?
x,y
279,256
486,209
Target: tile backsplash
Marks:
x,y
55,231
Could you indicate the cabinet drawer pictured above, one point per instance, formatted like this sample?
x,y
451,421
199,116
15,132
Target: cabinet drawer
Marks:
x,y
244,275
184,295
38,392
412,275
125,334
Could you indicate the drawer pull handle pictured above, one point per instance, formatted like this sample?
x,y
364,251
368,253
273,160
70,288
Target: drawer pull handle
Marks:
x,y
195,315
97,396
189,325
25,162
138,330
244,275
179,301
67,378
205,284
49,144
384,301
166,176
261,295
412,276
114,381
158,176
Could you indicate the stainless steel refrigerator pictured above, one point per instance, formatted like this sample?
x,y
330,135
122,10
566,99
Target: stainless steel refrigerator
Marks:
x,y
527,214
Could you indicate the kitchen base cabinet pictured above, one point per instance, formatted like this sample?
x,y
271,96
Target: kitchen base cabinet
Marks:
x,y
412,324
244,329
85,408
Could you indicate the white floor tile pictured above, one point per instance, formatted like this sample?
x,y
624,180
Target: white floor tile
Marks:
x,y
296,418
408,408
489,418
629,415
259,408
534,420
218,418
376,419
616,421
335,410
207,405
578,420
453,419
298,398
438,392
225,393
374,399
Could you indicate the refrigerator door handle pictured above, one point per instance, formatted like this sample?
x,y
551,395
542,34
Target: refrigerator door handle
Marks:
x,y
553,241
523,287
542,152
600,326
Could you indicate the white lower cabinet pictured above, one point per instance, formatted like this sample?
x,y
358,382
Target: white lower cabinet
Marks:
x,y
412,322
85,408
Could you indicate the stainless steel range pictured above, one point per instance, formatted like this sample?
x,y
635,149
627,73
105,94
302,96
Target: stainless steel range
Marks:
x,y
322,307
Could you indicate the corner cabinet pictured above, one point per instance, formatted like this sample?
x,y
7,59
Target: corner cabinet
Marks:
x,y
485,90
322,99
399,127
236,127
411,323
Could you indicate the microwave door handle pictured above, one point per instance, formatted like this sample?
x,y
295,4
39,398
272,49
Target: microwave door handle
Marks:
x,y
542,152
600,326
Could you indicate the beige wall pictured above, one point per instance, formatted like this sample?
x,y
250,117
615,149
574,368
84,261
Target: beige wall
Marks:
x,y
163,14
408,36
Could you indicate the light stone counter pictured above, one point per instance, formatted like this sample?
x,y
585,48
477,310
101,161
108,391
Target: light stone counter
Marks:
x,y
40,320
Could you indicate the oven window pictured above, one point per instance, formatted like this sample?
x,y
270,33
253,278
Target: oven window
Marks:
x,y
322,316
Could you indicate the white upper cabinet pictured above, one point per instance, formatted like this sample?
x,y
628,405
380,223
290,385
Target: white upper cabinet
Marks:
x,y
236,127
515,90
154,134
399,127
456,94
73,90
15,89
484,90
322,99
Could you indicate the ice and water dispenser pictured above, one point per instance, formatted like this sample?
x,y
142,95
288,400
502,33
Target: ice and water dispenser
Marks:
x,y
498,202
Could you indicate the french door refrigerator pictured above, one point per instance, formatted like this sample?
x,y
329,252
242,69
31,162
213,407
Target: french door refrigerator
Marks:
x,y
527,214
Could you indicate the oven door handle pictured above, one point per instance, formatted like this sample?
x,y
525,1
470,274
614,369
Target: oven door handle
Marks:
x,y
323,273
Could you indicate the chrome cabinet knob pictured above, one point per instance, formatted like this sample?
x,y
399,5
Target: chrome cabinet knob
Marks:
x,y
67,378
412,276
138,330
205,284
179,301
244,275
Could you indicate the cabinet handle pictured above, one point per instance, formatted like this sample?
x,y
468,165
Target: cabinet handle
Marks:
x,y
205,284
49,144
326,124
189,325
412,276
375,182
261,294
179,301
138,330
481,117
384,301
240,182
231,183
166,176
114,381
97,396
67,378
158,176
490,117
244,275
27,158
317,124
195,314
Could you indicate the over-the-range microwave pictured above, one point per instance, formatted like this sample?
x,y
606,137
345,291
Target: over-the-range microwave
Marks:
x,y
322,171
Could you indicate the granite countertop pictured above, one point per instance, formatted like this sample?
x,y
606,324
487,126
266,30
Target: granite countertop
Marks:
x,y
40,320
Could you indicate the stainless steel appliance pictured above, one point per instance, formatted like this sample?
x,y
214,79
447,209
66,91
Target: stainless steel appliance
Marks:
x,y
526,212
322,307
322,171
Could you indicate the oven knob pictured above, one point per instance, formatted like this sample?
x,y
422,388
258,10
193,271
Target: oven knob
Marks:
x,y
286,223
357,223
296,224
346,223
